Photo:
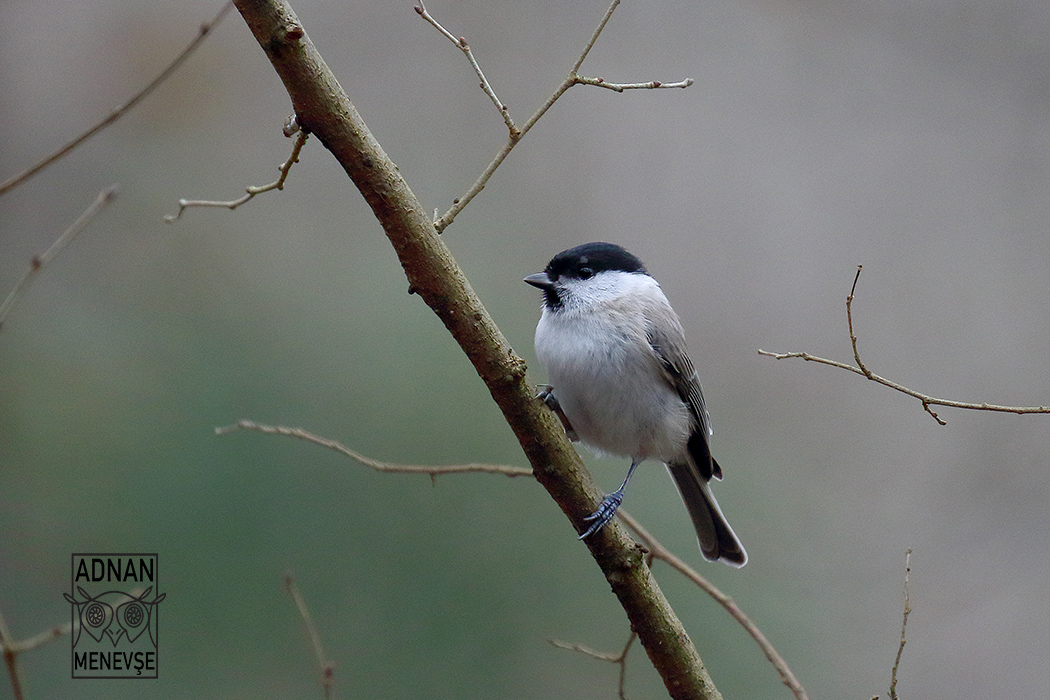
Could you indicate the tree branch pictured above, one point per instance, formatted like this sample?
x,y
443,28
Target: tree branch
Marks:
x,y
862,370
323,108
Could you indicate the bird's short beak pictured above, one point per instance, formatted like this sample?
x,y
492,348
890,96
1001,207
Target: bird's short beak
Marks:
x,y
541,280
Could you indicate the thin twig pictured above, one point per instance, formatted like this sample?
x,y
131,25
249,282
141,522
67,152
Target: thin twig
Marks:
x,y
655,547
7,641
904,626
658,551
620,87
39,261
516,134
619,659
461,44
12,648
326,666
120,111
278,184
432,471
926,400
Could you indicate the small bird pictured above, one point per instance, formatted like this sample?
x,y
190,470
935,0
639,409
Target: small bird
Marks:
x,y
622,383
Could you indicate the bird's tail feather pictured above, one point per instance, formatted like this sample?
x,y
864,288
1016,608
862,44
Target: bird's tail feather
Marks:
x,y
716,537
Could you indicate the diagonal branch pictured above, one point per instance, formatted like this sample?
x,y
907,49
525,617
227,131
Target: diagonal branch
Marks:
x,y
861,369
324,109
123,109
461,44
39,261
326,666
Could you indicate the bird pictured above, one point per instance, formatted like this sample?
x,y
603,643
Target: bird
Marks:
x,y
622,382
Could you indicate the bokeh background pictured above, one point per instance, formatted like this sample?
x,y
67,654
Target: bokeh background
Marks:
x,y
910,137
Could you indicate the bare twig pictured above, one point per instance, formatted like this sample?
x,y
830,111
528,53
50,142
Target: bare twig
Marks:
x,y
326,666
619,659
516,134
461,44
123,109
10,658
37,263
656,549
861,369
432,471
904,626
278,184
11,649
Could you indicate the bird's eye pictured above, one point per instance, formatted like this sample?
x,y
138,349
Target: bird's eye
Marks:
x,y
585,273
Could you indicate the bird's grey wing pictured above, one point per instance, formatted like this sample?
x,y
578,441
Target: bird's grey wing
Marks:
x,y
669,348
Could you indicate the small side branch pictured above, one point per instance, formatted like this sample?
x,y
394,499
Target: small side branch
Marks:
x,y
620,87
38,262
574,78
619,659
461,44
904,626
926,400
326,666
123,109
278,184
11,649
432,471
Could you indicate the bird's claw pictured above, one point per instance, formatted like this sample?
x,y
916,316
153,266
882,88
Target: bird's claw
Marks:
x,y
606,511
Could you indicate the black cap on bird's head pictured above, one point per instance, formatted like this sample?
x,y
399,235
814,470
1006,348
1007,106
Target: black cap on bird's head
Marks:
x,y
583,262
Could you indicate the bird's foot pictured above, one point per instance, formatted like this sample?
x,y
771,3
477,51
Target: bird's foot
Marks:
x,y
599,518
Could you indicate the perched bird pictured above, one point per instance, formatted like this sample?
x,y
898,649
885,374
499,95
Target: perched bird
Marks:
x,y
622,382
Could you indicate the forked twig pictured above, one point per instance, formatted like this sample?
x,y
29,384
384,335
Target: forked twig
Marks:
x,y
861,369
123,109
515,134
39,261
619,659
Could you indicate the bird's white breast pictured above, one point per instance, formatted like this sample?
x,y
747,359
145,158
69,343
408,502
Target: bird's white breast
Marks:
x,y
608,380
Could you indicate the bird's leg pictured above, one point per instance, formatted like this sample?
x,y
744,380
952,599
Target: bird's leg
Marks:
x,y
547,396
609,505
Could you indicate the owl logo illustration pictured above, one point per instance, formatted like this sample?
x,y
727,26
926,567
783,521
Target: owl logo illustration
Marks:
x,y
114,614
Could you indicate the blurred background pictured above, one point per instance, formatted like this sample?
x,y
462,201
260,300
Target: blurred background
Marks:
x,y
910,137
